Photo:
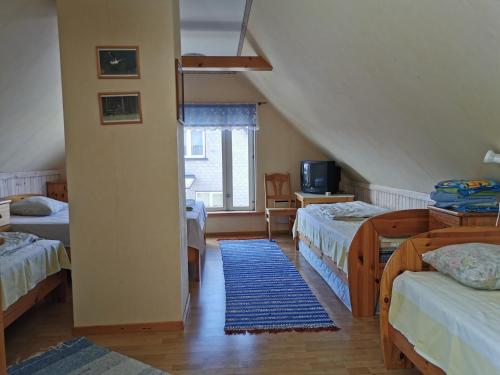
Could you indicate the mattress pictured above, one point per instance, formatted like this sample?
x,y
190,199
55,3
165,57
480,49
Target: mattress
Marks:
x,y
21,270
196,220
454,327
53,227
333,237
334,282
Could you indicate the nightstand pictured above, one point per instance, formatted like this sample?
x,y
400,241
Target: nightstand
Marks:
x,y
440,218
4,216
307,198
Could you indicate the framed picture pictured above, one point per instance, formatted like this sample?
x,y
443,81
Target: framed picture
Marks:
x,y
179,86
118,62
120,108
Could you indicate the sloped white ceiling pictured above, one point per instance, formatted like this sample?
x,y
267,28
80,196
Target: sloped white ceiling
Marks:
x,y
403,92
211,27
31,109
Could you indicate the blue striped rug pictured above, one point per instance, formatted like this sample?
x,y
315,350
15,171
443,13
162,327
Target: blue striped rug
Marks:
x,y
265,292
80,356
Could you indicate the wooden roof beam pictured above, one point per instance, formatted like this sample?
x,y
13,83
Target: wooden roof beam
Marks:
x,y
224,64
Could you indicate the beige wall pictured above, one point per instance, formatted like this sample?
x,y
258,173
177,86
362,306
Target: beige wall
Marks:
x,y
404,92
31,115
124,194
279,146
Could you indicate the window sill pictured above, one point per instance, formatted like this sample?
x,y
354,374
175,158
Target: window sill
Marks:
x,y
235,213
195,158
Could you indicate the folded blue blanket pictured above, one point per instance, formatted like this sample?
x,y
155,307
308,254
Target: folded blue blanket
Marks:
x,y
458,198
470,186
475,208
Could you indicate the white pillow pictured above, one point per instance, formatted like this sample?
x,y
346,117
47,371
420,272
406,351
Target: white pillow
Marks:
x,y
37,206
473,264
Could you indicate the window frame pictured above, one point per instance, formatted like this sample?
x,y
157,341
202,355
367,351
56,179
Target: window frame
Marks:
x,y
188,146
227,172
210,193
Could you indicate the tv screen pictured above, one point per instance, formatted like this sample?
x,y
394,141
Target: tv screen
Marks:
x,y
319,177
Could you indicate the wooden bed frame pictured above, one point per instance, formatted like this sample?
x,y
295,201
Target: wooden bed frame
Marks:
x,y
364,269
398,352
57,283
195,262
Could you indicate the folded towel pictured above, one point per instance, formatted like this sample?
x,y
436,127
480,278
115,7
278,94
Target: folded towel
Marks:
x,y
456,191
470,186
349,210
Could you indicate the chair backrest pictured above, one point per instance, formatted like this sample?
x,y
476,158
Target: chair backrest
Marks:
x,y
277,188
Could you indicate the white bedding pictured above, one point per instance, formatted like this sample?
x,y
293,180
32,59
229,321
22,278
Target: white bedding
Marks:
x,y
455,327
196,220
333,237
53,227
22,269
356,209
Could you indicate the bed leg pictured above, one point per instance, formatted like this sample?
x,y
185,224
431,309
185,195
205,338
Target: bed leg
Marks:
x,y
3,361
197,276
62,290
194,262
297,242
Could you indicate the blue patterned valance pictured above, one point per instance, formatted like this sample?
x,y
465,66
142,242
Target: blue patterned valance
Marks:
x,y
221,116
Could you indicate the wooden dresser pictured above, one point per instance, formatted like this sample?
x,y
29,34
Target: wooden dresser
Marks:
x,y
4,216
440,218
57,190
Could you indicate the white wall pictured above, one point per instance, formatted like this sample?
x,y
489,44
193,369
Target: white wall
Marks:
x,y
404,92
127,231
31,114
279,146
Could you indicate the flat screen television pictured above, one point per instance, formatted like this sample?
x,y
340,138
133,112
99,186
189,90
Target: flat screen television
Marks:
x,y
319,177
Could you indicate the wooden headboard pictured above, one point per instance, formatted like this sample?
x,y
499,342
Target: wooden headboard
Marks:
x,y
19,197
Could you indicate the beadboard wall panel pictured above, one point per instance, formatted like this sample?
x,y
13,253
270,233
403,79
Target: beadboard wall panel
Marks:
x,y
27,182
387,197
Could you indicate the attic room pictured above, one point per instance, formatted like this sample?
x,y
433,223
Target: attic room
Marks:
x,y
250,187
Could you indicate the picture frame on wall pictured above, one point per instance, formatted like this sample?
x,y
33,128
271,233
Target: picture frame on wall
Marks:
x,y
179,86
118,108
118,62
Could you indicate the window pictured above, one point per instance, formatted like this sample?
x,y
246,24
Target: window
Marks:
x,y
219,154
210,198
194,143
224,178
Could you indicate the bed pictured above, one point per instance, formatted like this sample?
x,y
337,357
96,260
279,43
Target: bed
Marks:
x,y
429,320
30,269
196,218
53,227
350,255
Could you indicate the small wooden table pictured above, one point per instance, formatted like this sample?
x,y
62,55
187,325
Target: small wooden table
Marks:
x,y
440,218
305,199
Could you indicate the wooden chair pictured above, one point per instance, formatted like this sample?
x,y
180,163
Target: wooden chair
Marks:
x,y
278,190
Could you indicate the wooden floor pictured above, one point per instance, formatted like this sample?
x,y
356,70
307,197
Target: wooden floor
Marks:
x,y
204,349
